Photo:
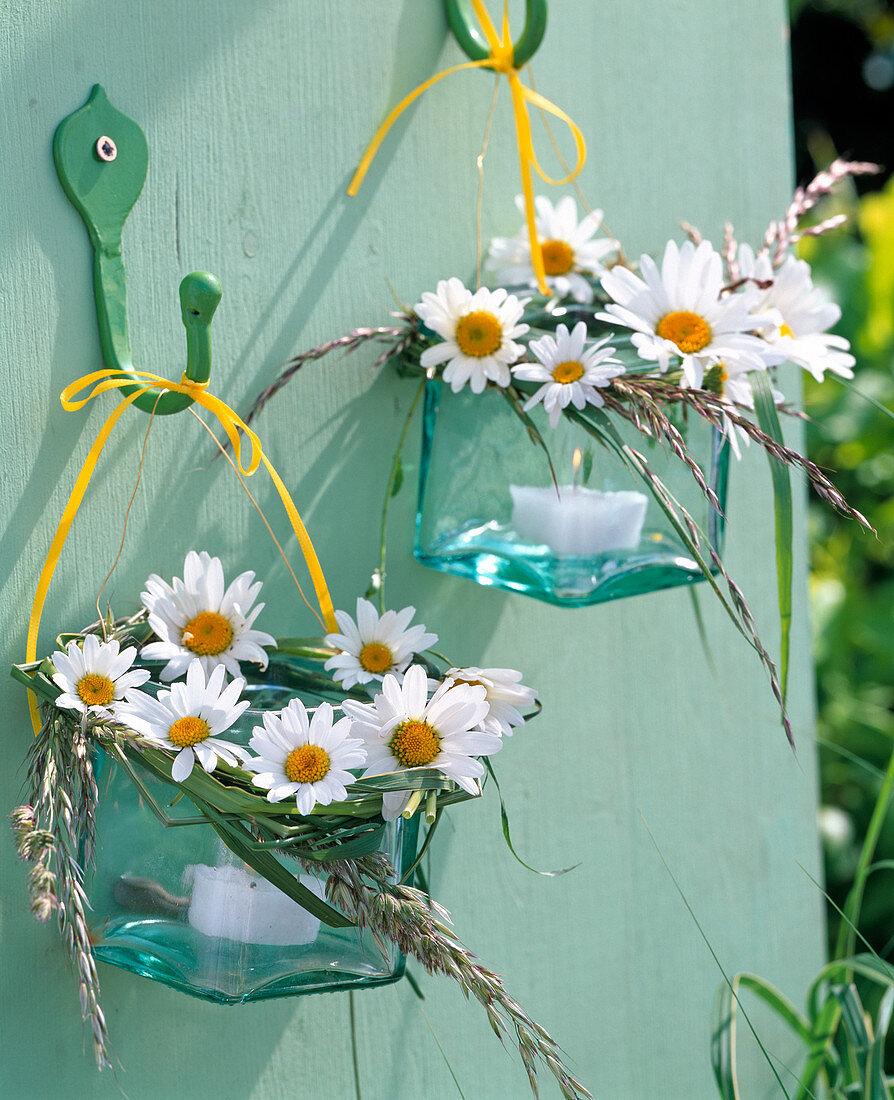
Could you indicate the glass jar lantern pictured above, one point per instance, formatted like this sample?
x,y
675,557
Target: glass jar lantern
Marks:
x,y
488,508
176,905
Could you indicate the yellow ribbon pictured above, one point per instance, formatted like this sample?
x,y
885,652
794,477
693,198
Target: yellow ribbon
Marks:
x,y
501,60
231,423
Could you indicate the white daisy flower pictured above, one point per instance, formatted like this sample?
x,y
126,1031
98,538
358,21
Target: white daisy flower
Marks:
x,y
94,679
679,312
307,758
570,371
373,646
478,331
504,693
403,729
198,618
569,251
804,315
189,718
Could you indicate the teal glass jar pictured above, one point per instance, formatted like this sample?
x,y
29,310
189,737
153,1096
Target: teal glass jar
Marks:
x,y
175,905
489,510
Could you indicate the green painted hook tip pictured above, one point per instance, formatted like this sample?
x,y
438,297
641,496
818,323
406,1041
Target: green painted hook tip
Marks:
x,y
461,17
200,294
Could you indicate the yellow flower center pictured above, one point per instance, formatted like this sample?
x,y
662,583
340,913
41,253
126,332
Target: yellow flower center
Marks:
x,y
415,743
558,257
207,634
95,690
687,330
786,331
479,333
307,764
189,731
375,657
567,372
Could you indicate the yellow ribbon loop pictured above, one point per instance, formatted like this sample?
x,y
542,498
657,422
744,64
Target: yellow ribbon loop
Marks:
x,y
501,61
231,423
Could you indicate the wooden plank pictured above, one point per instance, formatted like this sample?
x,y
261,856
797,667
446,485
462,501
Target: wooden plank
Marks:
x,y
256,115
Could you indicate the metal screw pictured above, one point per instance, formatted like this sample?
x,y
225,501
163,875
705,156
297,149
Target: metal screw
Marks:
x,y
106,149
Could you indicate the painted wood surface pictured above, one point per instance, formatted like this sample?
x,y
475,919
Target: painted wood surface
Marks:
x,y
256,114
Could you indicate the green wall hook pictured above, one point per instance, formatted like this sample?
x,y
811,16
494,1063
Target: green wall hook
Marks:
x,y
101,156
461,18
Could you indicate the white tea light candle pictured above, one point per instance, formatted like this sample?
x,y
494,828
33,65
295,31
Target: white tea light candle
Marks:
x,y
576,520
231,903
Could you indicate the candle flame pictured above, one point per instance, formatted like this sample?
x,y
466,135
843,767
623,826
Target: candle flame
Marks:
x,y
576,459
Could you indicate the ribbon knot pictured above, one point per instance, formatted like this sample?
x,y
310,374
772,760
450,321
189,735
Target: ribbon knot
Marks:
x,y
190,385
502,62
502,55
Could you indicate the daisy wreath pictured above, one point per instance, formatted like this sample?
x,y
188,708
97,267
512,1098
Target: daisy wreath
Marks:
x,y
407,734
702,335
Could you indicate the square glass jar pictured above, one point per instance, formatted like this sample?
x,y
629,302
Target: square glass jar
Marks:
x,y
176,905
488,508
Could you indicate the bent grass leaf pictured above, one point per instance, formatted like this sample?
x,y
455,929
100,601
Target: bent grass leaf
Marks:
x,y
504,817
514,398
767,417
429,836
723,1036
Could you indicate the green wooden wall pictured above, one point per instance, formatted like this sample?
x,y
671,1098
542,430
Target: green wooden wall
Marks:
x,y
256,114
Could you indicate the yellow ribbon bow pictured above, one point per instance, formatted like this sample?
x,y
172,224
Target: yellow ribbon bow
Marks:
x,y
231,423
501,60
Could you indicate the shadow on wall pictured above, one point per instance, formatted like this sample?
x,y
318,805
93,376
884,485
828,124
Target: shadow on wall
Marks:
x,y
72,282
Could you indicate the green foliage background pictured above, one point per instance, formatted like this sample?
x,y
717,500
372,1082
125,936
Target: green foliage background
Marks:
x,y
852,583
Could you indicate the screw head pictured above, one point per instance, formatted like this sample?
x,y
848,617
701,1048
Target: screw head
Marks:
x,y
106,149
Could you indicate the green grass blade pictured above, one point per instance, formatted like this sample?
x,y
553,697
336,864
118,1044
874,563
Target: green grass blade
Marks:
x,y
875,1086
883,1016
848,383
114,750
768,419
707,943
783,1007
38,681
311,648
722,1043
236,839
868,966
856,1037
443,1053
825,1027
702,632
860,762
